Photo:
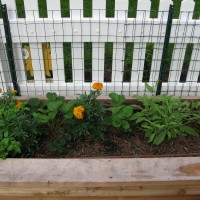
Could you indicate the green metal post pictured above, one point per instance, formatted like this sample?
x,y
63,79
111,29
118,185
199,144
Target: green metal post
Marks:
x,y
9,48
166,44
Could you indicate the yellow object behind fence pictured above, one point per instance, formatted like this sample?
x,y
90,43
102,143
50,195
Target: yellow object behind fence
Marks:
x,y
28,60
46,57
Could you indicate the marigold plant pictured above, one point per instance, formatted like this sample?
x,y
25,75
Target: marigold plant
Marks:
x,y
1,90
79,112
14,91
97,86
19,103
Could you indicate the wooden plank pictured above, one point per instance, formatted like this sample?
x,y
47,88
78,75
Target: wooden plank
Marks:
x,y
97,178
135,170
101,198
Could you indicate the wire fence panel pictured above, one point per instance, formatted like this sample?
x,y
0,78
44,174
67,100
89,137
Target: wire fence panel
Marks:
x,y
67,54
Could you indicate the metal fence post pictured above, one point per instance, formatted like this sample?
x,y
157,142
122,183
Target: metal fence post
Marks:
x,y
165,48
9,48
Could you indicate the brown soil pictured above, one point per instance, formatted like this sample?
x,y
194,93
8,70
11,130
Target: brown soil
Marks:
x,y
125,145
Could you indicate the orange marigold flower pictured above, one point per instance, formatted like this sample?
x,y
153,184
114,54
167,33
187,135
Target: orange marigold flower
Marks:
x,y
14,91
98,86
1,90
19,103
79,112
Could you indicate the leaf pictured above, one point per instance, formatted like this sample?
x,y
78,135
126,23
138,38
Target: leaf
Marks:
x,y
69,115
54,105
51,96
52,115
147,127
188,130
149,88
125,125
43,111
34,102
140,98
40,117
116,122
151,137
64,108
60,98
159,138
117,99
127,111
140,120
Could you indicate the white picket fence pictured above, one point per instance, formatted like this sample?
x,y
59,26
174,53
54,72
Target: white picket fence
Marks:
x,y
99,29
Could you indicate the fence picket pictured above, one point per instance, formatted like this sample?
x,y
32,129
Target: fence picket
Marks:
x,y
57,63
54,9
37,63
11,8
98,51
5,79
158,47
76,9
20,69
78,62
121,8
186,13
143,12
187,9
31,9
194,68
98,9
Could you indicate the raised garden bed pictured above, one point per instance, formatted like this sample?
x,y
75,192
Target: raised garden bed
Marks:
x,y
147,151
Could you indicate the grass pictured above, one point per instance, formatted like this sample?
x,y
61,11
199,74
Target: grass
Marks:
x,y
65,12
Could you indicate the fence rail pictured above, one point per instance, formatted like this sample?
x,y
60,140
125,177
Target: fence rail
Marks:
x,y
84,65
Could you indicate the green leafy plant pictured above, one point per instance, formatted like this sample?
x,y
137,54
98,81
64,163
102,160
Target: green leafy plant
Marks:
x,y
18,131
91,122
49,112
53,114
122,114
164,117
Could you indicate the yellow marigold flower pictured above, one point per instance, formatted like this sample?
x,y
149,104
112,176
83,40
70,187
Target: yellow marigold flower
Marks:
x,y
19,103
97,86
14,91
1,90
79,112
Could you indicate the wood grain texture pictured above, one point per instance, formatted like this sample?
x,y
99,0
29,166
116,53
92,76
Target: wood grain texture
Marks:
x,y
126,178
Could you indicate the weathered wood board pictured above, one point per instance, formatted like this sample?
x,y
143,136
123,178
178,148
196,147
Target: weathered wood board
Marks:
x,y
113,179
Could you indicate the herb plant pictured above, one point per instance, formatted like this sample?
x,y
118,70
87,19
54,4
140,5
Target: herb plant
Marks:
x,y
18,131
164,117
